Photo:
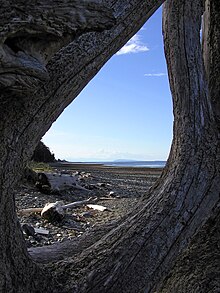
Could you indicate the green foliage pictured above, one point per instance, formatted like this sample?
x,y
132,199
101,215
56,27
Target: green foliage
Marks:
x,y
39,166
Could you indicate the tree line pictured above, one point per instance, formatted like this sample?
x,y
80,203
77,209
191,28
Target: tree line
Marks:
x,y
42,153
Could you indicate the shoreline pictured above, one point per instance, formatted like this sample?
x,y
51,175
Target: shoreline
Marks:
x,y
102,167
118,189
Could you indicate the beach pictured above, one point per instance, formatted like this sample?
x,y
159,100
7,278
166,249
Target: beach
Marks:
x,y
118,189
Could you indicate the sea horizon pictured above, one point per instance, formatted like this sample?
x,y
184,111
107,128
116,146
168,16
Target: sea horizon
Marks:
x,y
125,163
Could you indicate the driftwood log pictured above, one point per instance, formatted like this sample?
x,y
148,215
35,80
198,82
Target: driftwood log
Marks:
x,y
53,182
38,80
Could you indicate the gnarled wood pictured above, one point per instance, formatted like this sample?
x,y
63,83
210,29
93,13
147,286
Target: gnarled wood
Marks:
x,y
144,246
197,269
211,48
29,40
31,102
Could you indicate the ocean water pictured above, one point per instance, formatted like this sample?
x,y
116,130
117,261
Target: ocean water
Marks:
x,y
141,164
124,163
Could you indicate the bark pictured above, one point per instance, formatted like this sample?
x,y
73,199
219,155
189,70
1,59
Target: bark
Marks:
x,y
29,40
211,48
49,50
138,254
197,269
17,271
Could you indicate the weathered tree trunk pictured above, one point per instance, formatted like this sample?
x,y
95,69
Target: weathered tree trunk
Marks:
x,y
40,74
138,254
211,49
197,269
18,273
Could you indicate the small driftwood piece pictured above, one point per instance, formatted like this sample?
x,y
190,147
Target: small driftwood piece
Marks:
x,y
78,203
24,212
106,198
54,212
59,205
41,231
97,207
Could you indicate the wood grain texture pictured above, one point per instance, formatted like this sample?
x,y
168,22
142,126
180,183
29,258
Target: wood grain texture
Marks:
x,y
32,32
143,247
38,81
211,48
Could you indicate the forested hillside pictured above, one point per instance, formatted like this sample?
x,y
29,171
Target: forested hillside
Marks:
x,y
43,154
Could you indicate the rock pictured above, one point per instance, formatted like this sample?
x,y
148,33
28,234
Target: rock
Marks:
x,y
33,242
87,215
42,179
28,229
71,224
101,184
44,188
66,172
38,238
112,193
91,186
30,175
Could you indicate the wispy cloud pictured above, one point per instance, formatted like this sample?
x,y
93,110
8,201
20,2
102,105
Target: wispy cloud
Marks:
x,y
134,45
155,74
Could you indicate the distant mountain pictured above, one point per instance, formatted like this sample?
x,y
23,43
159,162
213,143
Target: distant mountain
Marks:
x,y
124,161
127,161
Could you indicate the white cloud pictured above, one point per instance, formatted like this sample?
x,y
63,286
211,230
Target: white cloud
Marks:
x,y
155,74
134,45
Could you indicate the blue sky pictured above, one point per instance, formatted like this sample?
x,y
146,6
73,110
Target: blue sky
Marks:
x,y
125,112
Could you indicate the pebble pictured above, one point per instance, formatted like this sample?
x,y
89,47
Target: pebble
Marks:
x,y
111,193
87,215
28,229
77,221
101,184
